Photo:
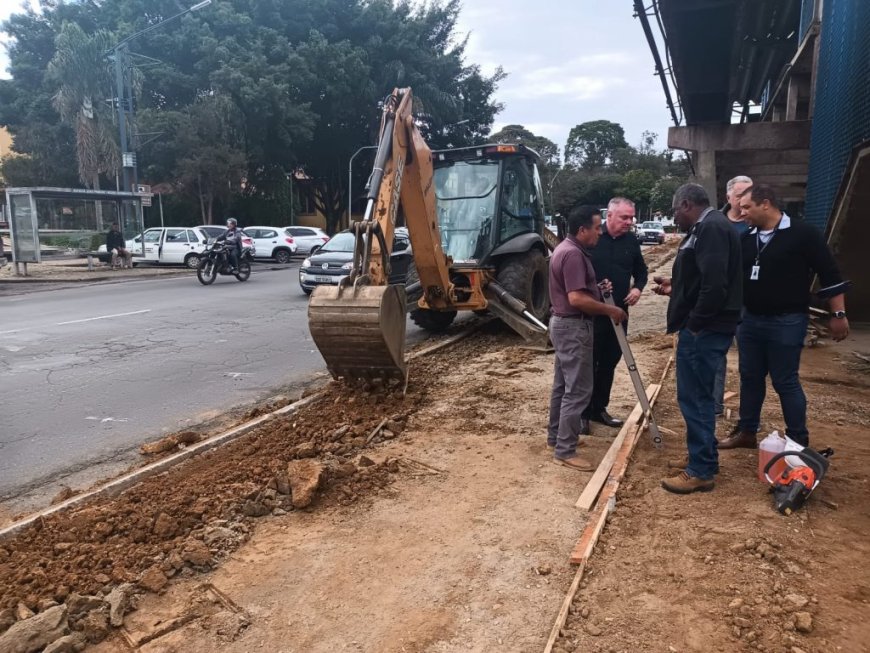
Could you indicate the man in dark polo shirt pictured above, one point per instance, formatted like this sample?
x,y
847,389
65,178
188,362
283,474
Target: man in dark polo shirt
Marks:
x,y
575,299
704,308
618,259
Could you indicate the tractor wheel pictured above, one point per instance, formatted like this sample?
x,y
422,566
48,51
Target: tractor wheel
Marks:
x,y
526,277
434,321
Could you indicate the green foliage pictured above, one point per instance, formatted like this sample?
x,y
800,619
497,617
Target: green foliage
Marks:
x,y
548,150
592,145
243,92
662,195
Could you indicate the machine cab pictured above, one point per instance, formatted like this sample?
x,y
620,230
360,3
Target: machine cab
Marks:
x,y
487,197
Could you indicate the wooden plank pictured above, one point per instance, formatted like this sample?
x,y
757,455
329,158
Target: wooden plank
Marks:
x,y
729,395
563,611
587,497
589,537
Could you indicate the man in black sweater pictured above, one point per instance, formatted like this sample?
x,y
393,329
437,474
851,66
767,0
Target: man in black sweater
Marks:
x,y
618,259
780,258
706,295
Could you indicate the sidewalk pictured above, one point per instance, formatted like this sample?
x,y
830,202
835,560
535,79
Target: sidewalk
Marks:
x,y
75,270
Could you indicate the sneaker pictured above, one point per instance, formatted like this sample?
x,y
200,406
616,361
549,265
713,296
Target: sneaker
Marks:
x,y
682,483
577,463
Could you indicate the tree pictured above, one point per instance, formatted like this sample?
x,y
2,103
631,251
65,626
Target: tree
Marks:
x,y
662,195
548,150
80,70
592,145
638,185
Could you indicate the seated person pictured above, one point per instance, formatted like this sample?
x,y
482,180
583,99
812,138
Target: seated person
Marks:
x,y
117,247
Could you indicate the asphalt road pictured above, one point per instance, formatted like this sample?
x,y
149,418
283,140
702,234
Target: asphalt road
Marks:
x,y
89,373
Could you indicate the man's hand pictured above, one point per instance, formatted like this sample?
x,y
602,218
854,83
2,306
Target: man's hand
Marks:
x,y
663,286
605,286
616,314
839,328
632,297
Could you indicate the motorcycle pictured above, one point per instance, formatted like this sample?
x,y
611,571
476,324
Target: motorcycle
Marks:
x,y
215,260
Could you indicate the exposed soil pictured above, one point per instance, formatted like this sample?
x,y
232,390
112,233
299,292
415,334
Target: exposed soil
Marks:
x,y
449,529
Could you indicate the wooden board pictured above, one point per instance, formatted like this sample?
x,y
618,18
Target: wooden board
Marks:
x,y
593,487
563,611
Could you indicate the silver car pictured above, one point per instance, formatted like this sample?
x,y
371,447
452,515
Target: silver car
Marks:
x,y
306,238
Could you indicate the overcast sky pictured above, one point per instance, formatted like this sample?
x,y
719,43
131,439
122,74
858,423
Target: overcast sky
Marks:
x,y
568,61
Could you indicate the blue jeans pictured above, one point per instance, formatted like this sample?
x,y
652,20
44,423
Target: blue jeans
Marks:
x,y
572,383
719,386
698,359
772,344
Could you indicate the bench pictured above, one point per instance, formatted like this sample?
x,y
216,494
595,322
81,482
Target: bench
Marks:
x,y
102,257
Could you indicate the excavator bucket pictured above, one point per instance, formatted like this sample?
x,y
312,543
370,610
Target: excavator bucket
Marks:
x,y
360,331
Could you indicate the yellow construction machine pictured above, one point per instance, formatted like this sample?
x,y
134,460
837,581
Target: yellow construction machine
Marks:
x,y
475,220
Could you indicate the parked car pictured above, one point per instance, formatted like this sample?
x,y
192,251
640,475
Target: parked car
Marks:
x,y
651,232
272,242
307,237
331,262
167,245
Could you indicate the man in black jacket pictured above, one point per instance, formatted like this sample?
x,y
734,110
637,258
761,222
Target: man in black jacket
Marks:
x,y
706,296
780,258
618,259
116,246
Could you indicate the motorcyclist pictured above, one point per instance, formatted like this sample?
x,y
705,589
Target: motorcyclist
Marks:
x,y
233,238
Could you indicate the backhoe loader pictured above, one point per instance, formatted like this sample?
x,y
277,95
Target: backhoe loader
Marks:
x,y
476,223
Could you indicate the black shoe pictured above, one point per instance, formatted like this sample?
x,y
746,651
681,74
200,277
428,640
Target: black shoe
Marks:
x,y
584,427
603,417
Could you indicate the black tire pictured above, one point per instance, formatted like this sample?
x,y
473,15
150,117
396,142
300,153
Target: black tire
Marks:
x,y
433,321
306,290
526,277
206,272
281,256
192,261
411,279
244,271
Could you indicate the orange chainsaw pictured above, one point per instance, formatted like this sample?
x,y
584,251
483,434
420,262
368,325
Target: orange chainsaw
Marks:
x,y
793,487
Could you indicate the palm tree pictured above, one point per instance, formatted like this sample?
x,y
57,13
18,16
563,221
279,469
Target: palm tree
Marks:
x,y
82,72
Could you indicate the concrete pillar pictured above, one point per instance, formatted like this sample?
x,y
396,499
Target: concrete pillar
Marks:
x,y
791,100
705,173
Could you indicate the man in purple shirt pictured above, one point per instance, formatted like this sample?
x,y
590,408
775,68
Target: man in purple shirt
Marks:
x,y
575,299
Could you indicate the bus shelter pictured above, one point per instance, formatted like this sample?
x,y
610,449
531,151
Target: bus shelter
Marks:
x,y
73,220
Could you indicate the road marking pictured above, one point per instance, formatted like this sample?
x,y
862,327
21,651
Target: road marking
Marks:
x,y
236,375
103,420
104,317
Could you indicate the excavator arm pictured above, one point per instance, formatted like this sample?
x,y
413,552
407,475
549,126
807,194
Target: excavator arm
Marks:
x,y
359,325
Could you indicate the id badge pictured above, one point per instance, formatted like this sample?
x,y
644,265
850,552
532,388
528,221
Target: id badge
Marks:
x,y
753,276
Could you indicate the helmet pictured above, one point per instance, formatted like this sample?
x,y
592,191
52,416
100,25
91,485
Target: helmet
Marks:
x,y
232,222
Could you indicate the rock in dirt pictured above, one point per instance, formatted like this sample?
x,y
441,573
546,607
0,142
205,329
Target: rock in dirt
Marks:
x,y
796,601
305,450
803,622
164,526
217,536
228,625
196,553
592,629
795,649
64,494
95,625
304,478
79,605
22,612
7,618
282,484
365,461
153,579
344,470
255,509
68,644
36,633
119,600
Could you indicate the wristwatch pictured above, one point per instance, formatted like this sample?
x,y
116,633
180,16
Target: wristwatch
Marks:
x,y
839,314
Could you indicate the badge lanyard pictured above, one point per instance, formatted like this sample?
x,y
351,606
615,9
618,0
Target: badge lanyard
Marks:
x,y
759,247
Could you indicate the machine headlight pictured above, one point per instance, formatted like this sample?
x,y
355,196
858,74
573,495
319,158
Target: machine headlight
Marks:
x,y
347,266
306,263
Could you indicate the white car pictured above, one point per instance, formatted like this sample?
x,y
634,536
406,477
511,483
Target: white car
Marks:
x,y
272,242
168,245
307,237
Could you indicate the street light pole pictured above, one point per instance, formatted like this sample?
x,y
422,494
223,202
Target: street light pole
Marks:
x,y
124,97
350,178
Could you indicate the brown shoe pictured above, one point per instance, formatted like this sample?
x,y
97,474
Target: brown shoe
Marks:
x,y
578,463
580,443
739,439
679,463
682,483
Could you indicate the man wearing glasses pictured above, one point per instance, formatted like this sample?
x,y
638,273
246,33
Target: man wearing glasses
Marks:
x,y
706,295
